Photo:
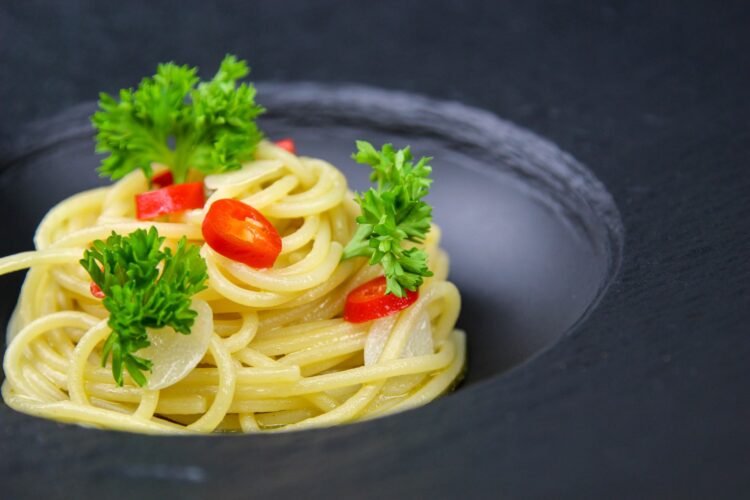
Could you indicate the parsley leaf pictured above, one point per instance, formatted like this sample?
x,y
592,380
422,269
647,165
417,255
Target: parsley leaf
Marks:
x,y
173,119
393,213
138,295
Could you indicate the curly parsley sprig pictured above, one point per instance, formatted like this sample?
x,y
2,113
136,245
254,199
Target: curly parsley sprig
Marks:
x,y
392,213
144,287
173,119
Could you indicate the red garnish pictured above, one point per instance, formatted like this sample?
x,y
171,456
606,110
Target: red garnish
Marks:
x,y
96,291
287,144
169,200
163,179
369,301
241,233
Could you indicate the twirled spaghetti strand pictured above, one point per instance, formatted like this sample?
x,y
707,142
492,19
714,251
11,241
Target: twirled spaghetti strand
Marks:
x,y
279,355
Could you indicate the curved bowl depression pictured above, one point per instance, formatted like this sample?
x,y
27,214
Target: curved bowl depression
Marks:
x,y
533,237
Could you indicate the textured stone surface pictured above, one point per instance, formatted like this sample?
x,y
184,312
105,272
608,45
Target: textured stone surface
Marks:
x,y
648,398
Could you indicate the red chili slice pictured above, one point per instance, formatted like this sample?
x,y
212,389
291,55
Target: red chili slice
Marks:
x,y
163,179
96,291
169,200
287,144
369,301
241,233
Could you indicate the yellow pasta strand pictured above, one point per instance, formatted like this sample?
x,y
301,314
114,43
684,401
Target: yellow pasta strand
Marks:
x,y
279,356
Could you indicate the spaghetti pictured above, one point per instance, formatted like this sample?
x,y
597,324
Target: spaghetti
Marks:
x,y
271,348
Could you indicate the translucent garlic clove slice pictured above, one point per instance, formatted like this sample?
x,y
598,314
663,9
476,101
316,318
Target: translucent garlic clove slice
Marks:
x,y
173,354
377,337
419,343
253,172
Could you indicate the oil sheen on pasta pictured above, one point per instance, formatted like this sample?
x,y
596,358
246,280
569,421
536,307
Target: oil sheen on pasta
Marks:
x,y
279,355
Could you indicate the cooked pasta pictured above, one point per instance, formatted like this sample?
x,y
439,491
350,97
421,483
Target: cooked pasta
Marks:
x,y
270,348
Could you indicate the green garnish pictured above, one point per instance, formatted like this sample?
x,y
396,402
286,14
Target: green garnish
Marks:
x,y
392,213
138,295
168,119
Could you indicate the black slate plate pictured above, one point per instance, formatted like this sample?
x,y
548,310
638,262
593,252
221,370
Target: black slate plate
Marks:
x,y
534,239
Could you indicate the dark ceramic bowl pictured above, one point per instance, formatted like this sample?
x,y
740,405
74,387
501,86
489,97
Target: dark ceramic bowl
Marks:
x,y
534,240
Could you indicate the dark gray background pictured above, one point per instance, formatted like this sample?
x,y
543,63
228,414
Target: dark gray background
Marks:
x,y
649,398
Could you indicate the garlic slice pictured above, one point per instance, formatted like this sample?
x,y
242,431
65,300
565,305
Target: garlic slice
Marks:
x,y
255,171
378,336
173,354
419,343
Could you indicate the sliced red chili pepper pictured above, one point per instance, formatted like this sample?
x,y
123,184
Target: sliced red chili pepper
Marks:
x,y
241,233
163,179
287,144
169,200
96,291
369,301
